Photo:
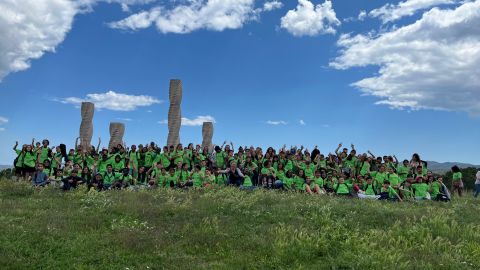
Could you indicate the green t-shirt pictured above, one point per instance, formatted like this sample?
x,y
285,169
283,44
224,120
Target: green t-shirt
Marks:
x,y
342,188
220,159
392,194
299,183
287,182
369,189
247,182
118,166
268,171
365,168
197,179
457,176
44,154
221,179
435,188
149,157
21,156
29,159
394,179
421,189
379,177
319,181
109,178
403,172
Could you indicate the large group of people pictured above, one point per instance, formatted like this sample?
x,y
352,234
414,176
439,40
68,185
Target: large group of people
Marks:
x,y
342,173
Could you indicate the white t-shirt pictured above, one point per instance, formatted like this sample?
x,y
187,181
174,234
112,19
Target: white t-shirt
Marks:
x,y
477,182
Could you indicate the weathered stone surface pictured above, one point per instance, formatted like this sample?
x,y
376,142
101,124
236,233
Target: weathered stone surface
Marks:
x,y
117,130
174,113
86,127
207,134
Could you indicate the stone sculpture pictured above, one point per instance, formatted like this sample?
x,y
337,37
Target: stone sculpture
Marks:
x,y
117,130
174,113
86,127
207,133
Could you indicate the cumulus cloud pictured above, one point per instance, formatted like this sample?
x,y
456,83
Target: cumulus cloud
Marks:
x,y
114,101
31,28
215,15
276,123
272,5
310,20
197,121
430,64
302,123
391,12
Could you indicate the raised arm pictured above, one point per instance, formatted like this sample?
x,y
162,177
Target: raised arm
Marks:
x,y
353,147
76,143
370,153
15,146
98,145
338,148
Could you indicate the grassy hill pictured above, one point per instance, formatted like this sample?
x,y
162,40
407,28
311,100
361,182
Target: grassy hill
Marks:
x,y
229,229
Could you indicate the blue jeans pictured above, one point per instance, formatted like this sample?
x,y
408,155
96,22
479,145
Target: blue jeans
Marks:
x,y
477,190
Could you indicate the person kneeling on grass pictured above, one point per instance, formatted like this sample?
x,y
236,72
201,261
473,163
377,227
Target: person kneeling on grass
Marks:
x,y
39,177
388,193
342,188
72,181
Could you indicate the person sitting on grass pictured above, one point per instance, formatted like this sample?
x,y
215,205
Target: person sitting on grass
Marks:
x,y
438,190
387,192
234,175
368,190
96,183
39,177
341,188
124,180
109,177
420,189
72,181
311,187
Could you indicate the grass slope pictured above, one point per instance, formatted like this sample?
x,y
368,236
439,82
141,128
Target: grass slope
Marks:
x,y
229,229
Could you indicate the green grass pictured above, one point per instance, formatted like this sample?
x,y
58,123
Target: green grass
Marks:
x,y
230,229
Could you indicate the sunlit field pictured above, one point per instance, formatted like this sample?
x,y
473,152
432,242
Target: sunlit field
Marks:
x,y
230,229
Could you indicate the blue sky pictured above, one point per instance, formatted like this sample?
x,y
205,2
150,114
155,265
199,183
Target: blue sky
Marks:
x,y
250,71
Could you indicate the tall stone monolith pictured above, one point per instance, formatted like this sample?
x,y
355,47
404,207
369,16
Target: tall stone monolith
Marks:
x,y
207,134
174,113
117,130
86,127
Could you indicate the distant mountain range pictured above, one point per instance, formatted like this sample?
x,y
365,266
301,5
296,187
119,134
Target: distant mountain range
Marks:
x,y
436,167
4,167
443,167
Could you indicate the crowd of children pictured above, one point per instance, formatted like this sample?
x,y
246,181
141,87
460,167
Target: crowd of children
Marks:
x,y
343,173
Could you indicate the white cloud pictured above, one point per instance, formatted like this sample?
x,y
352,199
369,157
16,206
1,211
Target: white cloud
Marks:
x,y
310,20
362,15
2,129
3,120
303,123
197,121
31,28
272,5
430,64
114,101
215,15
276,123
391,12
